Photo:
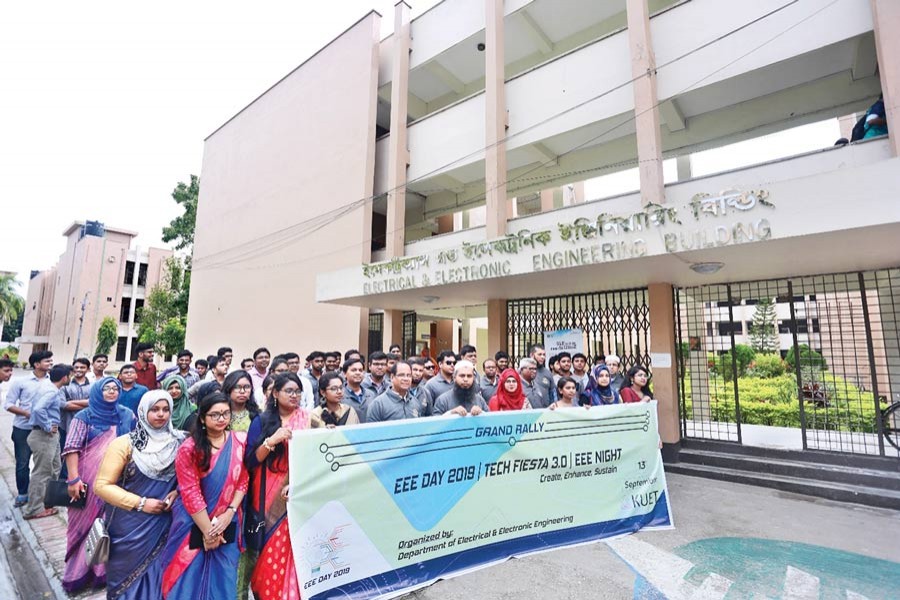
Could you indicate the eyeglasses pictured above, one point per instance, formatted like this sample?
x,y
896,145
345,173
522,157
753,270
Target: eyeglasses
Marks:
x,y
110,388
450,362
335,388
242,388
293,392
219,416
430,367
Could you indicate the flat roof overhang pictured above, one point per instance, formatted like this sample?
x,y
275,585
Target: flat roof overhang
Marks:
x,y
831,211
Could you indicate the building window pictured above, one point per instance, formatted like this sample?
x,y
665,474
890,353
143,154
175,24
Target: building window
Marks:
x,y
134,343
799,326
726,328
123,312
129,272
142,274
138,309
121,343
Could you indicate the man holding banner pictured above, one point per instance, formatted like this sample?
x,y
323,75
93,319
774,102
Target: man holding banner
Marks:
x,y
378,511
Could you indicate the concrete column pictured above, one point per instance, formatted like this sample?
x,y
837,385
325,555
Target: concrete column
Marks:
x,y
683,164
398,152
547,200
512,208
662,343
579,192
445,224
846,124
643,69
134,286
498,331
886,18
393,329
494,121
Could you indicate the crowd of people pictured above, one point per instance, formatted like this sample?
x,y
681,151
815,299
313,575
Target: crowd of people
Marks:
x,y
186,470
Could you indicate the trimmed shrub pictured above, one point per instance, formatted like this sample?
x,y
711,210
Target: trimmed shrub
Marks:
x,y
766,366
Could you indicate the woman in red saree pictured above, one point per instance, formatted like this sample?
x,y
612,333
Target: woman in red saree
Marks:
x,y
274,576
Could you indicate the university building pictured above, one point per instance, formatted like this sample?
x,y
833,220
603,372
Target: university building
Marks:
x,y
428,188
101,273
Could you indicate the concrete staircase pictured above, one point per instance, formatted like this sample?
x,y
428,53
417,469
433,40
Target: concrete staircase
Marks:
x,y
868,480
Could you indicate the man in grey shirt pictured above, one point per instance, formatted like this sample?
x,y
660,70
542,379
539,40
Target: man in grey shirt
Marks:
x,y
489,380
443,380
355,394
397,403
464,398
417,389
535,393
543,376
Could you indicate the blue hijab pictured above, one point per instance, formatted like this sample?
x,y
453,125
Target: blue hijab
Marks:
x,y
100,415
600,395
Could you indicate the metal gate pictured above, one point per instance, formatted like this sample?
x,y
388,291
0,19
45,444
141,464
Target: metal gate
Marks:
x,y
376,332
804,362
409,334
612,323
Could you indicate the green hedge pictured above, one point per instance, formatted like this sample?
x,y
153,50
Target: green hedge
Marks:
x,y
774,402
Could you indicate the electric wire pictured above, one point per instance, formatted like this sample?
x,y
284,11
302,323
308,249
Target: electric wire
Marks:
x,y
289,235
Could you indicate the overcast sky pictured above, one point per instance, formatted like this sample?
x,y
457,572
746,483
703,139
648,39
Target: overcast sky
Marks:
x,y
104,106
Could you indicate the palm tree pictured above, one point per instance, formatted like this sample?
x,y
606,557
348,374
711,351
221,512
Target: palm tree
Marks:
x,y
11,303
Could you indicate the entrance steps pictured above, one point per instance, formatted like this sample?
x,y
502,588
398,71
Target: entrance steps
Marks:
x,y
868,480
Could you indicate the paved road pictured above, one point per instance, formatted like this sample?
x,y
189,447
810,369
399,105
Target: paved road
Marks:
x,y
749,535
729,540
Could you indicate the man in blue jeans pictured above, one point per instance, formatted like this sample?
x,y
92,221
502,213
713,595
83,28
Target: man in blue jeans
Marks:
x,y
18,402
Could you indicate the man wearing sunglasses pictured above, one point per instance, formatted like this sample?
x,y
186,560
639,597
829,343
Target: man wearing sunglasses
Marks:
x,y
443,379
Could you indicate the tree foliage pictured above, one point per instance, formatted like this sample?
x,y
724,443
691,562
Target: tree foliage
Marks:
x,y
163,316
181,229
763,332
808,358
11,303
743,356
107,335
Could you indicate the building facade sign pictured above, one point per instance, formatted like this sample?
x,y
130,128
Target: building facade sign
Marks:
x,y
706,221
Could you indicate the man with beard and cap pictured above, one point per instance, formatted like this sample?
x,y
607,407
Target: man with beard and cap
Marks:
x,y
464,398
615,373
397,403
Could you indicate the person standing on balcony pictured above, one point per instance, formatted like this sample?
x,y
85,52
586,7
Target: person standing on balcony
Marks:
x,y
876,120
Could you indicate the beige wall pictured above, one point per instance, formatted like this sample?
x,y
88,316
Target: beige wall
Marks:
x,y
303,148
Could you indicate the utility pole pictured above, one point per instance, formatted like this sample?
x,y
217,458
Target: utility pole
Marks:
x,y
80,325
